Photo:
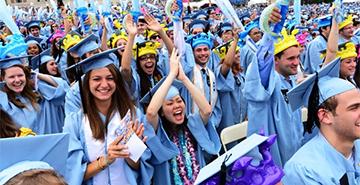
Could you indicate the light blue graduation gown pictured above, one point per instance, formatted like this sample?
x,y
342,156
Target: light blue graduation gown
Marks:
x,y
312,59
246,56
49,118
213,62
207,139
73,99
267,108
78,155
232,101
318,162
62,65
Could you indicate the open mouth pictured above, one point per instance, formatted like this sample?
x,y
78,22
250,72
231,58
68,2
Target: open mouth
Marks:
x,y
178,115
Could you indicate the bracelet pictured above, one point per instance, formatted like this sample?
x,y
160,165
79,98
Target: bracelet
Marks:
x,y
106,161
98,164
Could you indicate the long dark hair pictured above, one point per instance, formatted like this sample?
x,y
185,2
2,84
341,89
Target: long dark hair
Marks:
x,y
145,83
27,92
43,69
120,99
71,73
7,127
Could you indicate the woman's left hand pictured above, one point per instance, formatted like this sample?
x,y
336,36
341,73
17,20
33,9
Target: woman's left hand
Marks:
x,y
152,23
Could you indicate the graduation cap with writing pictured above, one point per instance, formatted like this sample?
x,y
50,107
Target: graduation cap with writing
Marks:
x,y
226,168
40,59
317,88
20,154
87,44
173,91
12,61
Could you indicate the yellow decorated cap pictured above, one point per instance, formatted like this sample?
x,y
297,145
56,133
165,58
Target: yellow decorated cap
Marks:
x,y
70,40
345,50
144,48
347,21
115,37
286,41
222,50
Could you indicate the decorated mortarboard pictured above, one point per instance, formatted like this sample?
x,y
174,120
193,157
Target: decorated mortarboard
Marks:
x,y
197,23
33,152
329,85
249,26
226,169
143,48
40,59
15,46
200,39
222,50
173,91
200,15
33,23
285,41
69,40
87,44
115,37
96,61
323,21
347,21
12,61
345,50
58,34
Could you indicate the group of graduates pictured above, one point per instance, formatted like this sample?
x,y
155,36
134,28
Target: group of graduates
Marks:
x,y
179,82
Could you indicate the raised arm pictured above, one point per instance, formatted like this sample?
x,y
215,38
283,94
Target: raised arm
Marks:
x,y
230,55
332,44
159,96
103,46
127,55
154,25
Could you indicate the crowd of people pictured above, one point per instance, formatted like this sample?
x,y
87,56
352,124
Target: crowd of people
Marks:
x,y
176,81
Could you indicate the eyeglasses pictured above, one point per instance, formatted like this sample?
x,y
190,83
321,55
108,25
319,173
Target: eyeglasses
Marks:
x,y
155,37
147,57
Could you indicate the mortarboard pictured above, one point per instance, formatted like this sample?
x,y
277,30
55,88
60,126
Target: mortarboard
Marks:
x,y
40,59
200,15
186,19
197,23
69,40
347,21
33,23
12,61
225,27
200,39
329,85
33,40
345,50
51,149
146,47
323,21
87,44
237,161
173,91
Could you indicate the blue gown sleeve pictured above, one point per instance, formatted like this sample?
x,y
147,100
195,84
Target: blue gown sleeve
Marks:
x,y
62,67
72,99
265,59
54,94
216,114
300,175
188,60
224,83
76,162
4,102
205,135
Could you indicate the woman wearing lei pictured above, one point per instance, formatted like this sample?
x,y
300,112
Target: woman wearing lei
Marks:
x,y
187,139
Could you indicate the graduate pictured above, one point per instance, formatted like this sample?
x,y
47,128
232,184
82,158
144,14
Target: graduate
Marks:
x,y
333,105
45,64
95,154
346,31
34,47
34,28
146,73
231,82
28,108
268,79
188,137
312,62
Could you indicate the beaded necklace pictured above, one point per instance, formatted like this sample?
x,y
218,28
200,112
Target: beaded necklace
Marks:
x,y
184,166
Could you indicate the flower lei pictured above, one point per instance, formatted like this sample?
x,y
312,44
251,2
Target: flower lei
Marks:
x,y
184,172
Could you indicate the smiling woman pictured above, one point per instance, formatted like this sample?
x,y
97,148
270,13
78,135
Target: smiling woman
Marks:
x,y
29,108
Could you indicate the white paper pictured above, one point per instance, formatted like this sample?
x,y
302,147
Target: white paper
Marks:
x,y
136,147
237,151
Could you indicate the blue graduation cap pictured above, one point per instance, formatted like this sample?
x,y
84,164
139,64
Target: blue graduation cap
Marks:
x,y
33,40
197,23
12,61
329,85
40,59
173,91
87,44
170,26
33,152
323,21
225,27
238,160
97,61
33,23
186,19
200,15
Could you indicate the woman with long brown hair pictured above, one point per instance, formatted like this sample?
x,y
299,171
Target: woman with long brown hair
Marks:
x,y
96,153
37,110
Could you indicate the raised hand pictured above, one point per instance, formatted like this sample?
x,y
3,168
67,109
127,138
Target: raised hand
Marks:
x,y
174,62
275,15
131,28
152,23
138,128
